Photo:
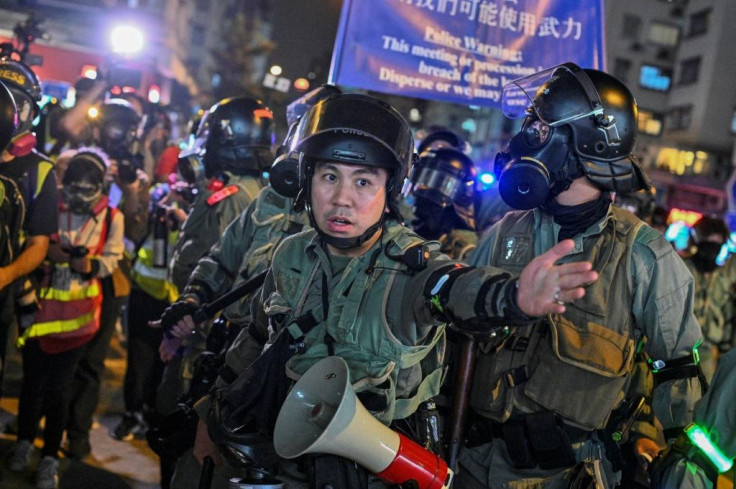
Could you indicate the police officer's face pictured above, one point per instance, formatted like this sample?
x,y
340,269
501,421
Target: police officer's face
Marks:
x,y
347,200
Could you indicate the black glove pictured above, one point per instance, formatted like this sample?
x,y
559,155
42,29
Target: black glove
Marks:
x,y
175,312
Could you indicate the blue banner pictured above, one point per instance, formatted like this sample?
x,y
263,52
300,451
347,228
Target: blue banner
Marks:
x,y
461,51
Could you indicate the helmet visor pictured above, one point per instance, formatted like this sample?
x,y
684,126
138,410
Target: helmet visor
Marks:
x,y
445,184
531,95
357,116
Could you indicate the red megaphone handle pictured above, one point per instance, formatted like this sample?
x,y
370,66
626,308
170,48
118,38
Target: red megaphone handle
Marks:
x,y
414,462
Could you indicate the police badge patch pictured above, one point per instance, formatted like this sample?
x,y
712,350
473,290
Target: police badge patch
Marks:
x,y
516,250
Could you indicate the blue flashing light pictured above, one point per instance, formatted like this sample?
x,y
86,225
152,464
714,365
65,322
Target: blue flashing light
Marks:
x,y
487,178
678,233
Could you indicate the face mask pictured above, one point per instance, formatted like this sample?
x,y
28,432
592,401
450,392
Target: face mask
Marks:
x,y
705,257
538,163
81,197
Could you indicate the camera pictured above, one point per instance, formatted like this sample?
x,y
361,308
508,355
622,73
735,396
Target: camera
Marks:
x,y
128,164
78,251
123,76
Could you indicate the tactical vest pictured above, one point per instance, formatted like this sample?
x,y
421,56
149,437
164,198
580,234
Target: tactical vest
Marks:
x,y
272,220
17,193
459,244
380,364
576,364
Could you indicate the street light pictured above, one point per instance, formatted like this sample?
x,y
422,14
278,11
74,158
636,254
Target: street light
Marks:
x,y
126,39
276,70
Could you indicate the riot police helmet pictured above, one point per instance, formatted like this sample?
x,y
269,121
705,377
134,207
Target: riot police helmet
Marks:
x,y
354,129
235,135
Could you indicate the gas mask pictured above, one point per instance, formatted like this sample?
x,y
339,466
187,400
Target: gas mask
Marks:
x,y
579,123
80,197
538,163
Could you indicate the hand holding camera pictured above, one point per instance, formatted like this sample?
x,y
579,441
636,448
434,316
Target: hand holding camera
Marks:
x,y
78,260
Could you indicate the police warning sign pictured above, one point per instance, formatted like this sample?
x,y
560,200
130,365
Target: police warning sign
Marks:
x,y
461,51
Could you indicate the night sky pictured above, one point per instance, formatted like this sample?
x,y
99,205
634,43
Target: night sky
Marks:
x,y
304,31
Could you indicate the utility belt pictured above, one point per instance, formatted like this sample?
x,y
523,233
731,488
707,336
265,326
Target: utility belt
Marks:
x,y
538,439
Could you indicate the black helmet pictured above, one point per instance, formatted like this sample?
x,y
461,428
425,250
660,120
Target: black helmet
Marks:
x,y
8,116
357,129
353,129
235,135
118,123
587,116
23,84
443,139
446,178
284,172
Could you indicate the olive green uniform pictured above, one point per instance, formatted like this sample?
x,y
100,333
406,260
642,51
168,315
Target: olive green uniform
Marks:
x,y
206,223
715,293
577,365
243,251
374,314
459,244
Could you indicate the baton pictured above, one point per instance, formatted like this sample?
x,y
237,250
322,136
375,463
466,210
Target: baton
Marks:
x,y
208,470
209,310
463,379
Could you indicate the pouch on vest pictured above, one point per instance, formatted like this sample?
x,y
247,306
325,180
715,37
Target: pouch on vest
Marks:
x,y
571,361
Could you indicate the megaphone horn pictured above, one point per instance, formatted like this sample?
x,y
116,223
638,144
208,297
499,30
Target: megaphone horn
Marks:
x,y
323,415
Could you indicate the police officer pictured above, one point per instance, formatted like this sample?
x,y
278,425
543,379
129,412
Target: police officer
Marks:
x,y
443,186
707,447
232,149
714,289
248,243
549,399
244,250
29,174
355,285
233,144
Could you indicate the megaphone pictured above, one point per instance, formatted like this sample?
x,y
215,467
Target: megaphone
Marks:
x,y
323,415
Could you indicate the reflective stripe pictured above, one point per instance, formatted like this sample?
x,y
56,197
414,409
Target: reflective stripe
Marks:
x,y
44,167
150,279
71,295
52,327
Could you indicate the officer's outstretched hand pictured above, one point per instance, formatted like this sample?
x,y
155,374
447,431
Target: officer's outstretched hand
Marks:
x,y
544,287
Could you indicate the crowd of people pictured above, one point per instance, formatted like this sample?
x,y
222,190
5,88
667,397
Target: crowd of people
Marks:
x,y
591,338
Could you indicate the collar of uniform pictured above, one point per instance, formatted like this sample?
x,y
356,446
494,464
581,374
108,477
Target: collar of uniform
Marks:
x,y
316,250
550,229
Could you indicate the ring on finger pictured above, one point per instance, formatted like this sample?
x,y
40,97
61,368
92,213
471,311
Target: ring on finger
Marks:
x,y
557,298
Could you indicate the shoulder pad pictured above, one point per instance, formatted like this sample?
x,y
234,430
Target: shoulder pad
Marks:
x,y
223,194
654,241
646,235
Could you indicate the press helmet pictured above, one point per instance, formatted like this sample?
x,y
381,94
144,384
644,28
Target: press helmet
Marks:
x,y
578,123
235,135
353,129
25,88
